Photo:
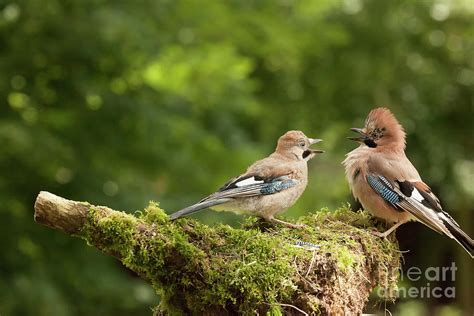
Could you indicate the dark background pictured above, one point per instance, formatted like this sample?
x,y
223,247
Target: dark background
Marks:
x,y
122,102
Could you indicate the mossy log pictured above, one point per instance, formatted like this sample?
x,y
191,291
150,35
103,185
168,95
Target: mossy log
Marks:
x,y
256,269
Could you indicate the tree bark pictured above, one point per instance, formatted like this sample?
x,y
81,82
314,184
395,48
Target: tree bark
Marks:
x,y
329,267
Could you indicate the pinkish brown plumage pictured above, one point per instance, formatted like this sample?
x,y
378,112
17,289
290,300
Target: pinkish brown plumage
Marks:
x,y
269,186
387,184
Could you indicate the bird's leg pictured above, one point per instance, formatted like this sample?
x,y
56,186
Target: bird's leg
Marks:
x,y
388,231
287,224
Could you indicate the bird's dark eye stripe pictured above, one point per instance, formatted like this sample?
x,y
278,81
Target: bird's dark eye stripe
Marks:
x,y
369,142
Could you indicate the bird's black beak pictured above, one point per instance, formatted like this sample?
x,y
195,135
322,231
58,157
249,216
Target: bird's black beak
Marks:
x,y
363,136
310,153
314,141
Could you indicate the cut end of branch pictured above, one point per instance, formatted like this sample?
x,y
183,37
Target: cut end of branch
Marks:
x,y
58,213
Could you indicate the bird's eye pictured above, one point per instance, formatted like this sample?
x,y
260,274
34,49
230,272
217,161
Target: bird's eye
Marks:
x,y
378,133
302,144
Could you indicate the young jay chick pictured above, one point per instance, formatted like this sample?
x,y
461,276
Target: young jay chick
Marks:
x,y
269,186
387,184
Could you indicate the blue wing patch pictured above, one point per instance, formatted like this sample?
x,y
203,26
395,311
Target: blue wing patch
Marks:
x,y
383,187
277,185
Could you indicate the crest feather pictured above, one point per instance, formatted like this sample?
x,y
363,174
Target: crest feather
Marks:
x,y
383,118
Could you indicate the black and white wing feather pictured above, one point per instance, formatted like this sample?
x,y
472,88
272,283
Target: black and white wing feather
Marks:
x,y
244,186
418,199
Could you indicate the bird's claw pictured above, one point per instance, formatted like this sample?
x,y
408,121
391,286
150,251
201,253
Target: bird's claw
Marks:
x,y
379,234
287,224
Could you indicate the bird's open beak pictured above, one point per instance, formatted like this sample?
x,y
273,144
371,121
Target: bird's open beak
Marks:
x,y
313,141
363,136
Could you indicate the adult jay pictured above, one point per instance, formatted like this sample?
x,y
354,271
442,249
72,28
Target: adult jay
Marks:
x,y
387,184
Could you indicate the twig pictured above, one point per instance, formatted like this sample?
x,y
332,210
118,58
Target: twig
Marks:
x,y
311,263
289,305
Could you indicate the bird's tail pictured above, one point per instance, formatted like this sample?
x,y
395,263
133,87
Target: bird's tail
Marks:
x,y
197,207
457,234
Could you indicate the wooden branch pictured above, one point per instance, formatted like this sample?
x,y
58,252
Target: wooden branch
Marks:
x,y
61,214
197,269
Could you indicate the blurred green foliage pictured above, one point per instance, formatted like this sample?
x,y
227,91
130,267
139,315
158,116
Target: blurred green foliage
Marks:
x,y
122,102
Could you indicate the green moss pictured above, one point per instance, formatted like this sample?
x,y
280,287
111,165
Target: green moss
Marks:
x,y
199,269
274,310
153,214
114,232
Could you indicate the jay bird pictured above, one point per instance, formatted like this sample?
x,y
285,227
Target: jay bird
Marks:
x,y
269,186
387,184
